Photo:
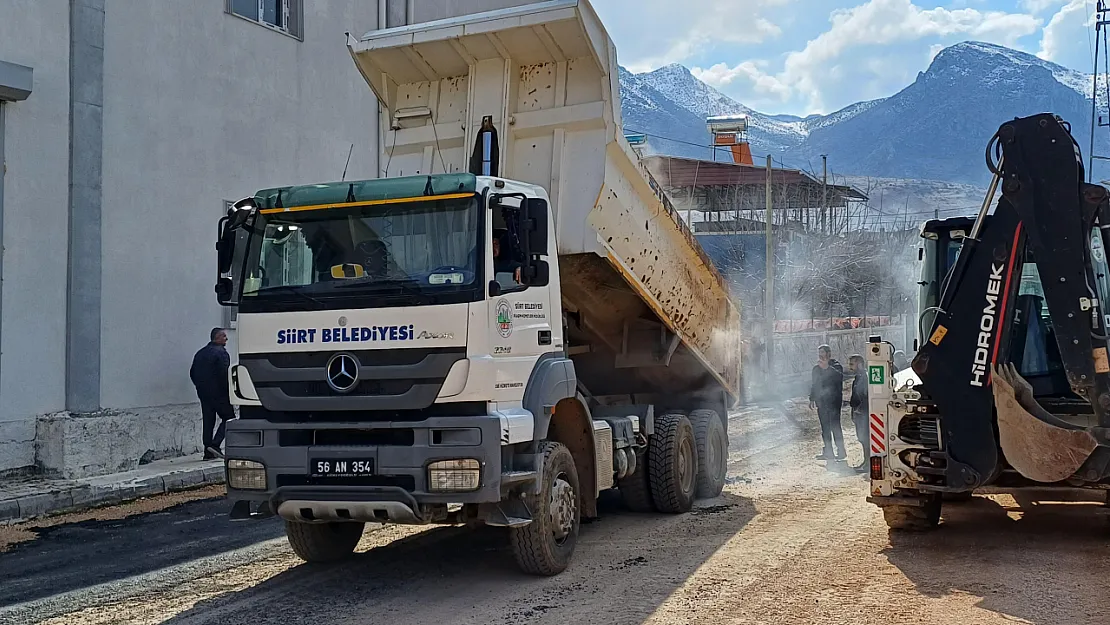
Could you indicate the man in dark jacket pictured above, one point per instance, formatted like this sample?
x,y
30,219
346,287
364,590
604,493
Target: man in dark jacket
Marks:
x,y
209,376
826,394
502,263
858,367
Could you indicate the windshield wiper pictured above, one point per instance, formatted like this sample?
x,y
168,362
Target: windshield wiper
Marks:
x,y
291,288
407,287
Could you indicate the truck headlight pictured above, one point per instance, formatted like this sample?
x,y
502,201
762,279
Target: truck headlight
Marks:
x,y
454,475
246,475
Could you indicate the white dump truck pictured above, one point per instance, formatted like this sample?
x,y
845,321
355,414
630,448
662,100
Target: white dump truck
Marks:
x,y
511,321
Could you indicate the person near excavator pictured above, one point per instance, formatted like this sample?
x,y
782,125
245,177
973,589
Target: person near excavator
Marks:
x,y
826,394
858,402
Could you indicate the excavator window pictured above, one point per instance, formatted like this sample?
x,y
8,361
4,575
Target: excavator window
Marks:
x,y
1033,348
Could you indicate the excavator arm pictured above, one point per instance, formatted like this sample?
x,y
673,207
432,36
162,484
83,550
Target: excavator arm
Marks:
x,y
983,404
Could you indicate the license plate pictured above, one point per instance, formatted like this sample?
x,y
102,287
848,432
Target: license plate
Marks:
x,y
341,467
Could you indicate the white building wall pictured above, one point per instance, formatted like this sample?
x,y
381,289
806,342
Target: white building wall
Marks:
x,y
34,33
429,10
201,107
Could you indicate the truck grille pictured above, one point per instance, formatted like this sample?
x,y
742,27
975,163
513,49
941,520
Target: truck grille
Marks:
x,y
456,409
343,437
365,387
366,358
387,379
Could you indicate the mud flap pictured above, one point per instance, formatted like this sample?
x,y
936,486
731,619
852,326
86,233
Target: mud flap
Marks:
x,y
1035,443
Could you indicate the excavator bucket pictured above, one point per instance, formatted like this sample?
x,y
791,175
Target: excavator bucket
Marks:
x,y
1037,444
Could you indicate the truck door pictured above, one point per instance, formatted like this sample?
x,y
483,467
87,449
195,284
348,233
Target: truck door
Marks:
x,y
520,318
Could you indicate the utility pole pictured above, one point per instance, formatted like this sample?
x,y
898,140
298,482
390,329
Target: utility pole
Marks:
x,y
769,288
824,192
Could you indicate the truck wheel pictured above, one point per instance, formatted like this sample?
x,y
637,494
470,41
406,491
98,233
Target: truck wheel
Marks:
x,y
323,542
914,518
672,464
545,546
635,489
709,434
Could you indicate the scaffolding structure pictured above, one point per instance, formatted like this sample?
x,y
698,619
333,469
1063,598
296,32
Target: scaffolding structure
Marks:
x,y
723,197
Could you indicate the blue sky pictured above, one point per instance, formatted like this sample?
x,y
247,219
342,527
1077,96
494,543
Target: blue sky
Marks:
x,y
817,56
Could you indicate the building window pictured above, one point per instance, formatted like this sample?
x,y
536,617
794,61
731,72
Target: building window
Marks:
x,y
286,16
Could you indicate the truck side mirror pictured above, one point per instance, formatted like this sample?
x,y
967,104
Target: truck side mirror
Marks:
x,y
534,217
540,274
225,246
225,291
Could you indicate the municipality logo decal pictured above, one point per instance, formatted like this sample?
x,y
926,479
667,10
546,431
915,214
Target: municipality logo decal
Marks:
x,y
504,319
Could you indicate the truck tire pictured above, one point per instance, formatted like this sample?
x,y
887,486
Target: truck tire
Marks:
x,y
709,434
635,489
914,518
323,542
545,546
672,464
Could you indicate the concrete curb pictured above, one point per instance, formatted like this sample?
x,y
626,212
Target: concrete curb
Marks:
x,y
104,491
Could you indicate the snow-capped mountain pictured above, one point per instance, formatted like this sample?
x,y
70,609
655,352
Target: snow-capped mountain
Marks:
x,y
934,129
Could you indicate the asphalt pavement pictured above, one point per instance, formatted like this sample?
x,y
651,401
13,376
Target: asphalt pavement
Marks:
x,y
101,553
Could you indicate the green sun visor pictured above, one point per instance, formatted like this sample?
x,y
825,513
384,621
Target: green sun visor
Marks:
x,y
384,190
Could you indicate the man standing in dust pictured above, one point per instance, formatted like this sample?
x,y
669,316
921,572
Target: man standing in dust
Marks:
x,y
858,402
826,395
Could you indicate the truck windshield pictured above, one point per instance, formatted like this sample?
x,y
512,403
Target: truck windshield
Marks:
x,y
407,253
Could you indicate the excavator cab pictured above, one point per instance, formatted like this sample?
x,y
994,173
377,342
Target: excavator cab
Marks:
x,y
941,240
1011,382
1032,339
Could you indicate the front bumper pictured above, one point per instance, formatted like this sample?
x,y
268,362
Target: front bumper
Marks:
x,y
397,492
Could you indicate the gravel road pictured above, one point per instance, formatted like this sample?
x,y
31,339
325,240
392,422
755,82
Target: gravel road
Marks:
x,y
790,541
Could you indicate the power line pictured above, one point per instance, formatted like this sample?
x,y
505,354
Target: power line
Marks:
x,y
696,145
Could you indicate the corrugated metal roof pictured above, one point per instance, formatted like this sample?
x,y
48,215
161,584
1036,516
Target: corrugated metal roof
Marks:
x,y
672,171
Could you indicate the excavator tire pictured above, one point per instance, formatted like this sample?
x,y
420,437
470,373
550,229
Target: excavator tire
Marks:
x,y
913,518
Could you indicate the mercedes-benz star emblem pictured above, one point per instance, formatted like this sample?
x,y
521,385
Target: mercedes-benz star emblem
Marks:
x,y
342,372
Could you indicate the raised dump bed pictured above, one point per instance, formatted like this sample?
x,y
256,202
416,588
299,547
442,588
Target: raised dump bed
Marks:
x,y
647,312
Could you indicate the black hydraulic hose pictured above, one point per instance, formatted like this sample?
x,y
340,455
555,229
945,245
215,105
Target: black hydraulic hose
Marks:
x,y
993,163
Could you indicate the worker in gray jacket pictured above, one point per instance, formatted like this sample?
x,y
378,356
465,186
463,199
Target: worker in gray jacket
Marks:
x,y
826,396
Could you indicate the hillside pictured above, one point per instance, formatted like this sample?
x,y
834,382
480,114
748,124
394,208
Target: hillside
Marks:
x,y
934,129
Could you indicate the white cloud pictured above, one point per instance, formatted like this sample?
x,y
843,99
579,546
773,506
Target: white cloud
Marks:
x,y
653,33
1073,22
1037,6
825,62
764,84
